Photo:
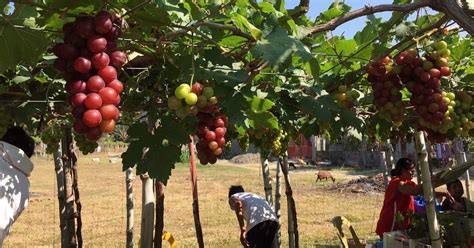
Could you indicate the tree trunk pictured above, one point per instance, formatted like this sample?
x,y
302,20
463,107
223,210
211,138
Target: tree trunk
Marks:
x,y
77,198
148,208
69,191
277,242
58,167
460,159
160,213
428,190
292,217
267,185
197,221
455,12
129,188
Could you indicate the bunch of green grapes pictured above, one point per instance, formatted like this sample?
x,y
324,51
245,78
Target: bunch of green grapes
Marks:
x,y
462,114
244,142
51,136
279,144
85,146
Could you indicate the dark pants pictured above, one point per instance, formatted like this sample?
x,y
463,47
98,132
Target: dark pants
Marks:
x,y
263,234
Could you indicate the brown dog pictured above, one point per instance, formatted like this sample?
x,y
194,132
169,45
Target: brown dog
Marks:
x,y
324,175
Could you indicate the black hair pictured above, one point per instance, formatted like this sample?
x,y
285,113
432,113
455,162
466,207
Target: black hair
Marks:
x,y
402,163
235,189
448,185
18,137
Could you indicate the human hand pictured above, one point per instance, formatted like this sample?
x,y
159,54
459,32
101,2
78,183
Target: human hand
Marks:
x,y
243,239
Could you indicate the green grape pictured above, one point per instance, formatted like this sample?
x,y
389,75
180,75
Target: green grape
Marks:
x,y
84,145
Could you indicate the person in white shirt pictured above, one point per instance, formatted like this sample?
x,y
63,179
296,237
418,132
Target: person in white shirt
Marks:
x,y
261,224
16,148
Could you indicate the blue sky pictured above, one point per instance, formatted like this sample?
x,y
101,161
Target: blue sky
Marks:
x,y
349,28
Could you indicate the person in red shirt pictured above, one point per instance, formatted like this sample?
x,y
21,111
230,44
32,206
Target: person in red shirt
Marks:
x,y
399,197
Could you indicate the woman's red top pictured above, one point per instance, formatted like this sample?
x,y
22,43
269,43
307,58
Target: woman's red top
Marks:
x,y
394,202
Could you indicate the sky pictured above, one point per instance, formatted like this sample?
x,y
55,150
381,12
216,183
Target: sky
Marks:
x,y
349,28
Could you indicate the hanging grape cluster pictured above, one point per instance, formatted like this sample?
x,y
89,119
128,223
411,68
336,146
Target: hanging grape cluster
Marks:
x,y
89,59
386,87
346,97
198,100
442,114
211,130
274,143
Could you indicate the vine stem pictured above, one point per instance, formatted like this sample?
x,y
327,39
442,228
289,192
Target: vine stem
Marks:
x,y
135,8
192,60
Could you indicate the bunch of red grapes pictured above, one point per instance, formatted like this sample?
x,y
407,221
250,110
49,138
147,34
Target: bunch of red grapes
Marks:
x,y
386,87
89,59
422,76
211,131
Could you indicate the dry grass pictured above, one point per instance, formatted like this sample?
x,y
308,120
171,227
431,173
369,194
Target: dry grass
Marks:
x,y
102,189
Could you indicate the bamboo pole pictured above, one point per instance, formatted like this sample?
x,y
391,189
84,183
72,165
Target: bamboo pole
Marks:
x,y
293,235
160,212
148,203
129,189
69,191
383,163
267,185
428,190
148,208
277,242
197,221
58,168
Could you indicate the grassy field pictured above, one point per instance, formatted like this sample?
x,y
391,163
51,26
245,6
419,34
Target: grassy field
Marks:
x,y
102,192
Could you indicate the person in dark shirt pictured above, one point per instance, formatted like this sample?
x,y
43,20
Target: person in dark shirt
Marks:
x,y
456,202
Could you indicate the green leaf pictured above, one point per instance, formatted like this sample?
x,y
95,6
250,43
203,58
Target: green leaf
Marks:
x,y
195,12
278,46
261,120
312,67
139,131
172,131
366,35
20,45
319,108
462,50
243,24
160,160
133,155
232,41
260,105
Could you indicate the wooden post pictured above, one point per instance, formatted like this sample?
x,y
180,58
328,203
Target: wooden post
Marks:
x,y
58,167
197,221
389,156
129,189
160,213
148,212
277,242
68,188
293,235
383,164
75,186
267,185
428,190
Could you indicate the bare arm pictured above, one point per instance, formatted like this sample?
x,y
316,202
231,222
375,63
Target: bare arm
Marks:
x,y
236,205
410,190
